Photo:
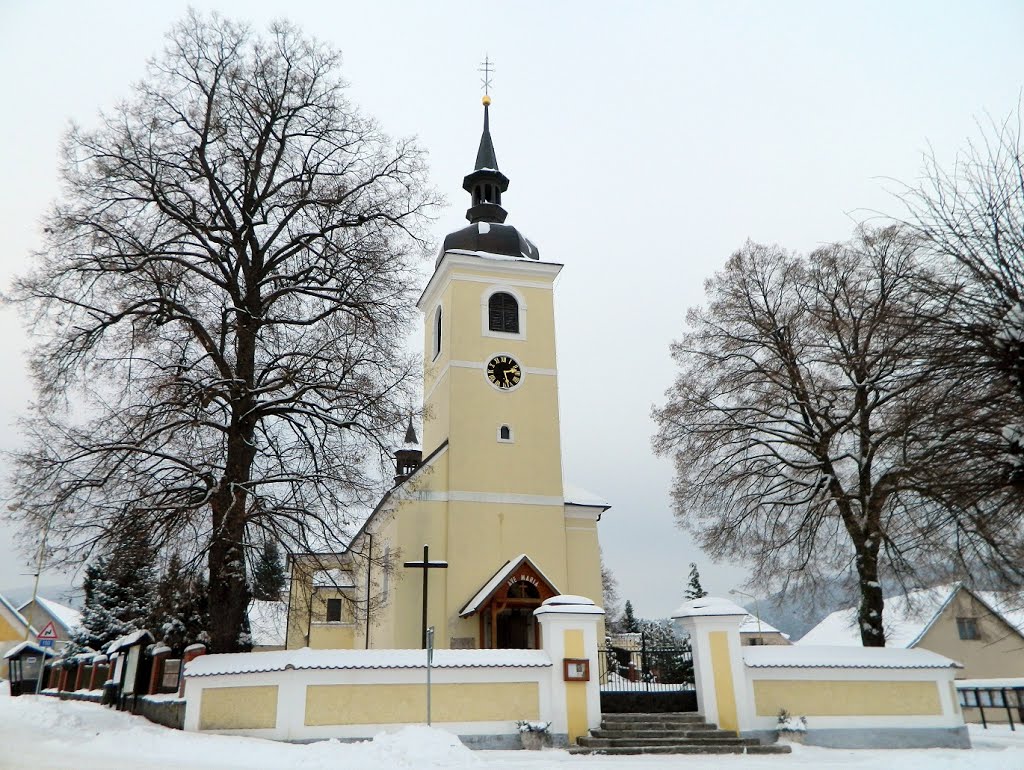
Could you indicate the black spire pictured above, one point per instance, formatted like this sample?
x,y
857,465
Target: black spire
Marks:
x,y
488,233
485,157
410,434
486,183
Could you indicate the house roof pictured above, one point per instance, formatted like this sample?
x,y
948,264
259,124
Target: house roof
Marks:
x,y
16,617
18,648
68,617
575,495
907,618
499,577
754,625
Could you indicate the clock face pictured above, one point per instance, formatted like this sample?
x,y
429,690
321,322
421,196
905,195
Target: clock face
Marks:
x,y
504,372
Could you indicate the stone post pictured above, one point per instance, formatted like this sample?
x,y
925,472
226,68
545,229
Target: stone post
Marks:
x,y
714,629
192,652
569,631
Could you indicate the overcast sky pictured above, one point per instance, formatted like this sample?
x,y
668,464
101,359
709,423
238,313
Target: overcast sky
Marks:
x,y
644,142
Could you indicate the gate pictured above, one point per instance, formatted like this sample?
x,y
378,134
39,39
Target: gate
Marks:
x,y
639,678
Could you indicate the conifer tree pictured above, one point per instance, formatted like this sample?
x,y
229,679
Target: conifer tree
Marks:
x,y
180,615
694,590
268,578
120,591
630,624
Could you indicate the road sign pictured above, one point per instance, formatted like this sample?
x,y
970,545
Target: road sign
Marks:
x,y
46,642
48,632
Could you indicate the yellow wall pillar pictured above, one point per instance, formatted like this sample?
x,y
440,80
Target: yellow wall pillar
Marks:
x,y
714,629
569,631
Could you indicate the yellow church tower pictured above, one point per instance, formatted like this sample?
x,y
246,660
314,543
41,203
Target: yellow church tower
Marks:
x,y
486,494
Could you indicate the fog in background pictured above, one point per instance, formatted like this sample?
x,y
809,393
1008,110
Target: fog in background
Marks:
x,y
644,143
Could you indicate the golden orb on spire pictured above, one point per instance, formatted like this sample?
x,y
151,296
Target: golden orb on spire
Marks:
x,y
486,100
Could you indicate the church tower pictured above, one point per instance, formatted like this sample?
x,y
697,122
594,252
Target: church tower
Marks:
x,y
486,495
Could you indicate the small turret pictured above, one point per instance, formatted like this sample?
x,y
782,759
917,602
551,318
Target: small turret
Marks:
x,y
409,456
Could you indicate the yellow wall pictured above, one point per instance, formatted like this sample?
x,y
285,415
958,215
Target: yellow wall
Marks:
x,y
999,652
237,708
846,698
307,609
575,692
725,691
479,534
351,704
8,633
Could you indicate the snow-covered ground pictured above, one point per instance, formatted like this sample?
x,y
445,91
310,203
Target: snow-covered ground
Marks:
x,y
41,733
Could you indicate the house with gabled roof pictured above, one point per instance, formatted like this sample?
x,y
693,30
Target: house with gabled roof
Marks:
x,y
983,630
14,628
55,620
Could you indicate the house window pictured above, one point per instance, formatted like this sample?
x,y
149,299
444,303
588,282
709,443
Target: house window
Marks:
x,y
437,331
755,641
503,313
505,433
968,628
334,610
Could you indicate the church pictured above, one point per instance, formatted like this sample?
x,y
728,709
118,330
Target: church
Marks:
x,y
479,528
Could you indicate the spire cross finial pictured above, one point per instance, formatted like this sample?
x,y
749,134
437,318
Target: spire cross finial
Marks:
x,y
486,67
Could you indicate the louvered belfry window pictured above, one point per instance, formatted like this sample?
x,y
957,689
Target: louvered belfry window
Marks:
x,y
503,313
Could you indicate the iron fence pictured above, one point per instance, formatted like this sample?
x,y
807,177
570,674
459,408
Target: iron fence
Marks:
x,y
630,667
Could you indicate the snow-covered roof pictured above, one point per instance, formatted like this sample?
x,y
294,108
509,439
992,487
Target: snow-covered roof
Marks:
x,y
488,255
68,617
575,495
786,656
754,625
496,580
307,659
333,578
18,648
708,606
15,615
142,636
268,623
907,618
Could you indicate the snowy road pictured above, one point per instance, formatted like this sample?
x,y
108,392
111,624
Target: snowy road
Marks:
x,y
44,734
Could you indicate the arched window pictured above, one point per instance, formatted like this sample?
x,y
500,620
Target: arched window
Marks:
x,y
503,313
437,331
505,433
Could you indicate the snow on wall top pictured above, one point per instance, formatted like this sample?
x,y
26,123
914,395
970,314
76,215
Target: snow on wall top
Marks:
x,y
307,659
268,623
333,578
706,607
568,604
129,640
812,656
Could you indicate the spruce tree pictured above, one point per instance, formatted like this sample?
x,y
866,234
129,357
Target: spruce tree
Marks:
x,y
180,616
630,624
694,590
120,591
268,578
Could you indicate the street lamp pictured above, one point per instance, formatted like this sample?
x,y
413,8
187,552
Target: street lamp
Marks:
x,y
757,609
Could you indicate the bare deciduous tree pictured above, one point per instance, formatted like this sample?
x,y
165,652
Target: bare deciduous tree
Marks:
x,y
972,218
220,305
808,426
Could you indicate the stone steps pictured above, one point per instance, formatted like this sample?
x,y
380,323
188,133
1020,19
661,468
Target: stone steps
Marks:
x,y
667,733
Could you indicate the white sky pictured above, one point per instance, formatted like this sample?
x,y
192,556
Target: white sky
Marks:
x,y
644,143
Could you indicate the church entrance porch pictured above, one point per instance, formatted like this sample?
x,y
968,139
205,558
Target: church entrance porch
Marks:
x,y
505,606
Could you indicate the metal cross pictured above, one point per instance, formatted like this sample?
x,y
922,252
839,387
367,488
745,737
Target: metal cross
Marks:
x,y
426,565
486,67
